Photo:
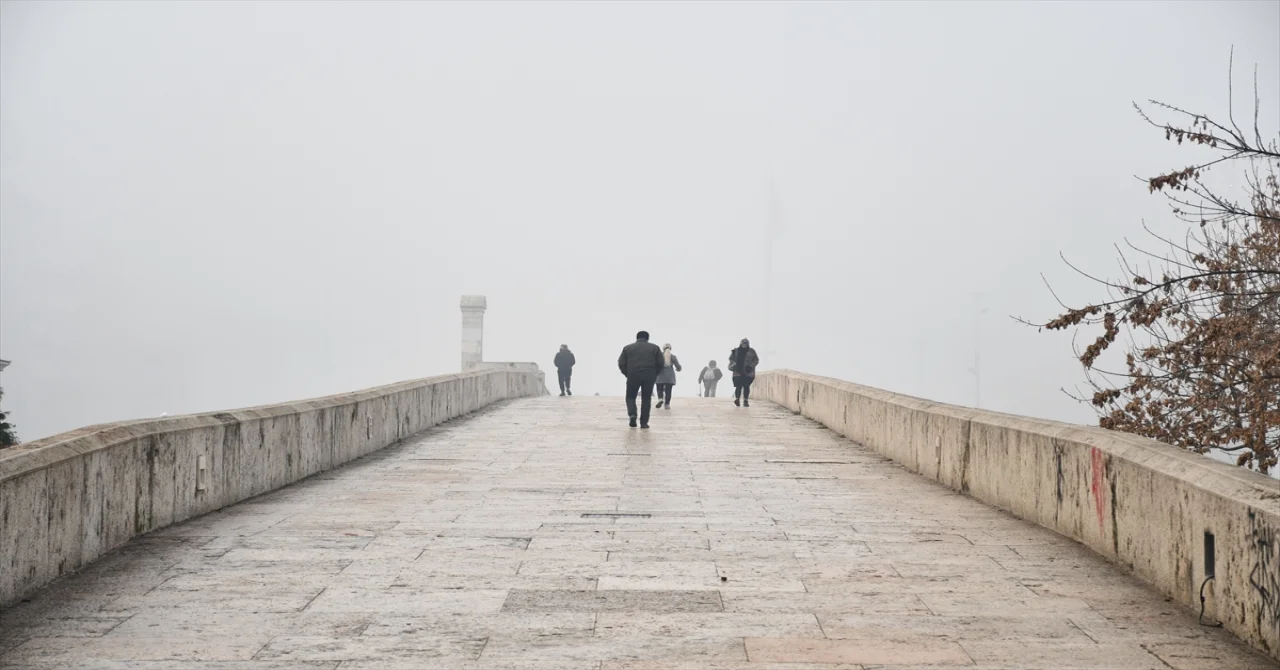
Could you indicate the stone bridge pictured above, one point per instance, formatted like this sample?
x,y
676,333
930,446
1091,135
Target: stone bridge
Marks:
x,y
473,522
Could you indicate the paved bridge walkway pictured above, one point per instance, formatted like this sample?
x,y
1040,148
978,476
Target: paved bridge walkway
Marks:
x,y
544,534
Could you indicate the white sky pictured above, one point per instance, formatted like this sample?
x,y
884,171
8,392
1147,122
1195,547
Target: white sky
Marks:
x,y
213,205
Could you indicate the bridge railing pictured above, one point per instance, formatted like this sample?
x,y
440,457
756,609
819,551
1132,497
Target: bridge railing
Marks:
x,y
68,499
1157,510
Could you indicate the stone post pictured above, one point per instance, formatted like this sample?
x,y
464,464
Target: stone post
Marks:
x,y
473,307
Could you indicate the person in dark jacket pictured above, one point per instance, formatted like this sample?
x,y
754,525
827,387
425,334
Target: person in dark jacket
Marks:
x,y
709,377
742,363
640,362
667,376
564,368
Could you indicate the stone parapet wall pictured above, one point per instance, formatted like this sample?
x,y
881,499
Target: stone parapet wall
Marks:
x,y
527,367
68,499
1144,505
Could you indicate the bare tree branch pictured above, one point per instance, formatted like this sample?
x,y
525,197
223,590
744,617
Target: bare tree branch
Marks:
x,y
1194,324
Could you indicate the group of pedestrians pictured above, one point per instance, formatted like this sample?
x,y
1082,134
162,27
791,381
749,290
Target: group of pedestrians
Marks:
x,y
646,367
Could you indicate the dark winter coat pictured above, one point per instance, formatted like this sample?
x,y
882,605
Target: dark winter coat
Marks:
x,y
565,360
641,356
743,362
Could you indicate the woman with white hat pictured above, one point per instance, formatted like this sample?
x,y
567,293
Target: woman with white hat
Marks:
x,y
667,376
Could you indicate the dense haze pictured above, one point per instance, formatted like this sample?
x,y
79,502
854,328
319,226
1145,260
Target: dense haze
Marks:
x,y
213,205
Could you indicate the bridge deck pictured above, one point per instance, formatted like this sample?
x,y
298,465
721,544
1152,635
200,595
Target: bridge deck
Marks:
x,y
545,534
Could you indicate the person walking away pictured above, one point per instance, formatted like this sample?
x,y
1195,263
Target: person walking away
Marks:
x,y
640,362
564,368
667,376
742,363
709,377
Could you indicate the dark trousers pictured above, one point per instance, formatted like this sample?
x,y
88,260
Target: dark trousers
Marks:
x,y
641,382
564,379
664,393
742,387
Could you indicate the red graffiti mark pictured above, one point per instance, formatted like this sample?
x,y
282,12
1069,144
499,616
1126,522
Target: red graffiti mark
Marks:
x,y
1098,484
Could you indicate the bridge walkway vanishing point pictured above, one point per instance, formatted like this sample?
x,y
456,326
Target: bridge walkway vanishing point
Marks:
x,y
545,534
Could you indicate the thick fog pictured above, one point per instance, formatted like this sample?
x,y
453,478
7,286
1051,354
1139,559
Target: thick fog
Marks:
x,y
213,205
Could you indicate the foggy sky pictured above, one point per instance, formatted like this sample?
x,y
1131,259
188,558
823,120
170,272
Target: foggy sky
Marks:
x,y
213,205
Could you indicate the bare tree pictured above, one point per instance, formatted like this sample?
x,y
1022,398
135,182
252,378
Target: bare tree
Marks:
x,y
1197,314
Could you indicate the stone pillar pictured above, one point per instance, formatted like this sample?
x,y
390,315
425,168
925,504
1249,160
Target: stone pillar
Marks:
x,y
472,331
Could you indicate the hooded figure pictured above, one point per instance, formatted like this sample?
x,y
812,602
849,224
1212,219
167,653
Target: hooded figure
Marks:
x,y
564,368
742,363
709,377
667,376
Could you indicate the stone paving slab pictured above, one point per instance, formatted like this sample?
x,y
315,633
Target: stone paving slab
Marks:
x,y
546,535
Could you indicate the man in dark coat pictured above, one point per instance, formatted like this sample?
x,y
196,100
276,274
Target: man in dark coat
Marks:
x,y
742,363
564,368
640,362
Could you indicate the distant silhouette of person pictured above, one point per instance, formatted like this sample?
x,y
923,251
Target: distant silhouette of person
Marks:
x,y
742,363
709,377
564,368
640,362
667,376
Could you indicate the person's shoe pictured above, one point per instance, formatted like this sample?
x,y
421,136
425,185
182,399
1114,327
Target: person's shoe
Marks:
x,y
562,394
568,391
633,422
668,406
659,405
644,425
737,403
745,403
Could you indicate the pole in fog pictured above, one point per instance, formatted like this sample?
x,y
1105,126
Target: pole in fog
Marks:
x,y
773,228
976,370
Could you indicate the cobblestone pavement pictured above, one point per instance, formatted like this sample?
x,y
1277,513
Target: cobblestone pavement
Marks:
x,y
545,534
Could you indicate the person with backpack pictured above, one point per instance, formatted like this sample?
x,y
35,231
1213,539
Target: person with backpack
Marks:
x,y
709,377
667,376
564,368
742,363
